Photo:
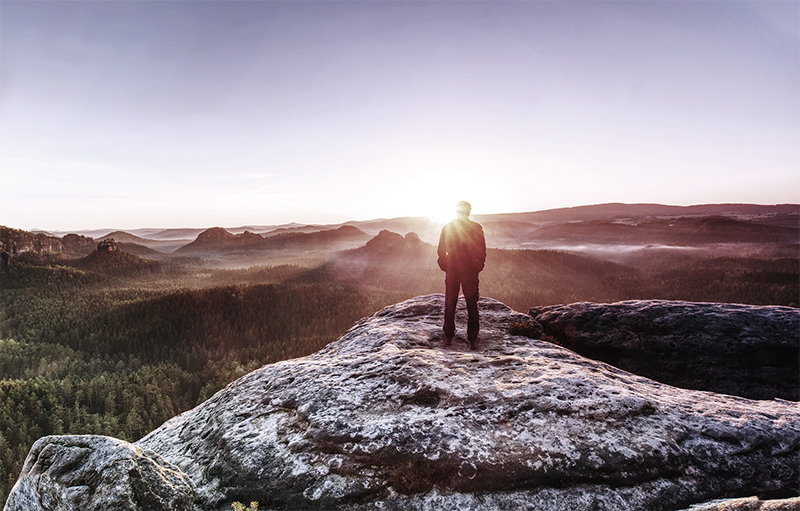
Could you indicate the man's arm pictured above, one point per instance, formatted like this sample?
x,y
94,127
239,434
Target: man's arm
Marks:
x,y
442,250
482,249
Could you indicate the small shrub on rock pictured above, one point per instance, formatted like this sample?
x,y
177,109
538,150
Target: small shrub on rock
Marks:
x,y
416,476
526,327
238,506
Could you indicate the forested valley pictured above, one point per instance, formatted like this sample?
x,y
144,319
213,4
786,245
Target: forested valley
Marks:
x,y
118,346
84,353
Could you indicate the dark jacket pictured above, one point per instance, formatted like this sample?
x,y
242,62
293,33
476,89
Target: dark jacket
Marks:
x,y
462,247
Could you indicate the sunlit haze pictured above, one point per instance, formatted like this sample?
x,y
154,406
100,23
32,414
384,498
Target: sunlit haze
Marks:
x,y
194,114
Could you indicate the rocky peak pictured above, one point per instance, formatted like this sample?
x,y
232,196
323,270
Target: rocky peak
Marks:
x,y
413,239
387,417
218,239
391,244
250,237
214,234
385,242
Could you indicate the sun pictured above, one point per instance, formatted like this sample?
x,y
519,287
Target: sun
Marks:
x,y
441,213
434,195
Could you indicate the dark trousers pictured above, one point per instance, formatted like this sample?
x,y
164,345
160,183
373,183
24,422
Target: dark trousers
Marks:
x,y
468,282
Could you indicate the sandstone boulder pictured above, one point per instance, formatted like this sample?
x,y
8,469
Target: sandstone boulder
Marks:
x,y
744,350
387,417
97,473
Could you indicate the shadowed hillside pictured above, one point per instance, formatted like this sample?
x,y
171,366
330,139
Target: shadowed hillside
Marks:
x,y
217,241
117,262
525,278
677,231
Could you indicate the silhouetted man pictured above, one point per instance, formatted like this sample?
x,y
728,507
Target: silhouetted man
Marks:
x,y
462,254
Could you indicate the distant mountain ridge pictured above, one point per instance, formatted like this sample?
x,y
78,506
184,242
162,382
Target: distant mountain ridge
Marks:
x,y
601,223
421,225
637,211
672,231
219,240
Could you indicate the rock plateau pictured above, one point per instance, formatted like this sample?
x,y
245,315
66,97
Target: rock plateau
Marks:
x,y
388,418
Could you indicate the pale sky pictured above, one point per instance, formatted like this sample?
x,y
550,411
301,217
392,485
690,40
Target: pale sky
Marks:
x,y
127,114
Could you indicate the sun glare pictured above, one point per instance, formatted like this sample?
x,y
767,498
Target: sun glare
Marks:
x,y
435,195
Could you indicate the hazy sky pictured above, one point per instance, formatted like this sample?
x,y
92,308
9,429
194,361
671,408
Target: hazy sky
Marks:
x,y
132,114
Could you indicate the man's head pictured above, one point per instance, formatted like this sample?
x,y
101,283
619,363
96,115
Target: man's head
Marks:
x,y
463,209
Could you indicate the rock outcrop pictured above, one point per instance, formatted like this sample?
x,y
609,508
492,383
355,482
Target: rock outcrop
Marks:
x,y
388,418
97,473
744,350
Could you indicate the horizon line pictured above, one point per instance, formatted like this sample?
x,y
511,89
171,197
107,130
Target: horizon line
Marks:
x,y
378,219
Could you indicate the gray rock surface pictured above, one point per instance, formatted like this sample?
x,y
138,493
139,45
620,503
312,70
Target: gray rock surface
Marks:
x,y
744,350
97,473
748,504
388,418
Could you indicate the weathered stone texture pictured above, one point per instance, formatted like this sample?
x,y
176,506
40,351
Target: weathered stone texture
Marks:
x,y
744,350
387,414
749,504
97,473
389,418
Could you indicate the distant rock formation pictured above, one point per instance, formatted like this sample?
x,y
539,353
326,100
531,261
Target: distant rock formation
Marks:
x,y
213,239
75,244
17,242
218,240
390,260
744,350
108,259
391,243
388,418
107,245
345,236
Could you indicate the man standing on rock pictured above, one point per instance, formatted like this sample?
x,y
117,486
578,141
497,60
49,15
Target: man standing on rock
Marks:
x,y
462,254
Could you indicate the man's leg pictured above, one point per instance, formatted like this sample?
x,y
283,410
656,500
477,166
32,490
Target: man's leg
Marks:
x,y
470,287
451,285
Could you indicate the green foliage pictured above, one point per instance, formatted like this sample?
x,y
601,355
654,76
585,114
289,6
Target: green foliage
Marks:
x,y
14,240
44,272
26,244
238,506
